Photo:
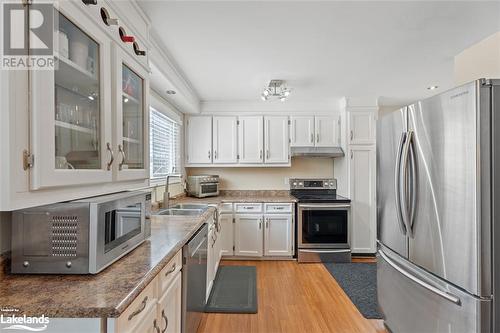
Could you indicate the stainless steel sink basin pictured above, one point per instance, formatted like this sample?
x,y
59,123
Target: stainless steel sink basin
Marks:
x,y
190,206
181,212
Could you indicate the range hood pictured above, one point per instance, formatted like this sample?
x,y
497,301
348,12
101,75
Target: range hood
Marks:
x,y
317,151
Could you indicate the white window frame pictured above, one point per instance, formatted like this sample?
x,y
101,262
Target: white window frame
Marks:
x,y
158,104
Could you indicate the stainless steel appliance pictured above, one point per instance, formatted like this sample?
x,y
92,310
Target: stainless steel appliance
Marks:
x,y
437,202
201,186
323,221
194,280
77,237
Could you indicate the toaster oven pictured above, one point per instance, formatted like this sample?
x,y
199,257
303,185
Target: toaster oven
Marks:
x,y
78,237
201,186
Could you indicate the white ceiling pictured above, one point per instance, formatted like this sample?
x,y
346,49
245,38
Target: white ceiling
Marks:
x,y
229,50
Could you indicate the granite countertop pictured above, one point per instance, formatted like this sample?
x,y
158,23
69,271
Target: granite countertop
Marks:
x,y
241,196
108,293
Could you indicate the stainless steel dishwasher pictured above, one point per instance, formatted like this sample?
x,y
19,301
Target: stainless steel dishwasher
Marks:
x,y
194,280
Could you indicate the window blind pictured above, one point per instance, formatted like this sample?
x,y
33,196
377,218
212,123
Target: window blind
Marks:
x,y
164,145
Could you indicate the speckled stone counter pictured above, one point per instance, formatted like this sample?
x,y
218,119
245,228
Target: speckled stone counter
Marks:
x,y
108,293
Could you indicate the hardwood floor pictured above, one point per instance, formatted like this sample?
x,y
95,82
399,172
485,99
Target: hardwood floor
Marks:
x,y
294,298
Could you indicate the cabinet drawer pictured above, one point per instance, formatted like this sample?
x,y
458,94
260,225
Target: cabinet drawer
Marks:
x,y
138,310
248,207
226,207
168,272
278,207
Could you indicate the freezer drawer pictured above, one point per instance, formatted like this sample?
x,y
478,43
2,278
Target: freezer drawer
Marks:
x,y
412,300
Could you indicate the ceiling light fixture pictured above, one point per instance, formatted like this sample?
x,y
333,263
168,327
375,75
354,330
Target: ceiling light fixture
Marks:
x,y
276,89
432,87
170,92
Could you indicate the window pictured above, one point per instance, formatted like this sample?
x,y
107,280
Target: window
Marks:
x,y
165,145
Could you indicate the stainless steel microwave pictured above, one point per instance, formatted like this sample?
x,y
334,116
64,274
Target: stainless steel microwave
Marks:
x,y
77,237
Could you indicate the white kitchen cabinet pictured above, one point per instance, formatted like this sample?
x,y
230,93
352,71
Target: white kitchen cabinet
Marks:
x,y
277,140
225,140
302,131
326,131
149,324
362,194
131,119
248,238
278,235
361,127
226,234
71,125
199,140
251,139
169,307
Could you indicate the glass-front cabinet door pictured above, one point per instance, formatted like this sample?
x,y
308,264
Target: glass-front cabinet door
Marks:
x,y
132,117
71,106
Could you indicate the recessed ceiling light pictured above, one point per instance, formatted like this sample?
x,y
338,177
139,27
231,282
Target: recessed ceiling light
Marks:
x,y
432,87
170,92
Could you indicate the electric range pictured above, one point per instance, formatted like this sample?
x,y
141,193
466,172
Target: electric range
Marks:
x,y
323,221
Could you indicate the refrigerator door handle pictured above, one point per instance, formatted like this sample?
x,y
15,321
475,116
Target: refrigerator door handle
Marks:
x,y
413,183
397,184
406,189
444,294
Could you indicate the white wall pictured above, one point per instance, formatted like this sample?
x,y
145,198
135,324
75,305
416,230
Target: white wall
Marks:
x,y
5,231
481,60
269,178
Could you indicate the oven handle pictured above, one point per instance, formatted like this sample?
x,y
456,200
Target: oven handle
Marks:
x,y
325,251
324,206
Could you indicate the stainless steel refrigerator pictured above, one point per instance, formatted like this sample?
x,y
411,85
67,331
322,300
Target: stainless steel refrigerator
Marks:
x,y
438,202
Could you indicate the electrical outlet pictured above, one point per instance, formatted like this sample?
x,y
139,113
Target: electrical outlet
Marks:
x,y
287,180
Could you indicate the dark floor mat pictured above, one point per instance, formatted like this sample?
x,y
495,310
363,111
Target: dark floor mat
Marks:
x,y
359,282
234,290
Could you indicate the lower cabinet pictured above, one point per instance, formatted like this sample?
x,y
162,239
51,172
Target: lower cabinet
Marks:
x,y
248,235
158,307
278,233
226,234
169,307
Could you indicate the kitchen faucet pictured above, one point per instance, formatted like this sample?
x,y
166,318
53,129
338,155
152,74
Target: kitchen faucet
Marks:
x,y
166,195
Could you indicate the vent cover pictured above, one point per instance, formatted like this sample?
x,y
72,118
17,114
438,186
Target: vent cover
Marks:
x,y
64,236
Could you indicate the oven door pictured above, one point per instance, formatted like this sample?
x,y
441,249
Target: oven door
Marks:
x,y
208,189
323,226
120,225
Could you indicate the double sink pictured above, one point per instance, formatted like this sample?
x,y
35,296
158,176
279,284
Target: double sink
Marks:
x,y
187,209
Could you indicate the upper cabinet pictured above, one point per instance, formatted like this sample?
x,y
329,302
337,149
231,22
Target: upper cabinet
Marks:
x,y
81,128
71,135
251,139
314,131
225,140
131,118
277,140
361,127
302,131
237,141
199,140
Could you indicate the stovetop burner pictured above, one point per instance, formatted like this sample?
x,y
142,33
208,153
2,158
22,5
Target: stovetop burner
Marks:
x,y
316,190
327,196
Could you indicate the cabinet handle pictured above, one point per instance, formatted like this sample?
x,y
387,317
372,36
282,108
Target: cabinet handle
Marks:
x,y
260,154
136,312
215,154
312,138
120,150
112,157
352,134
317,137
267,154
171,270
165,319
267,223
209,154
155,327
351,155
260,224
